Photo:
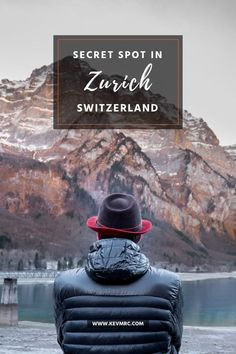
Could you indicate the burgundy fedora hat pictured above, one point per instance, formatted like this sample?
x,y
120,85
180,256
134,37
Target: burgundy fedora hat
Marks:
x,y
119,214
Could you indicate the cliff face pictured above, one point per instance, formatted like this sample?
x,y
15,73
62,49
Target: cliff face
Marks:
x,y
51,180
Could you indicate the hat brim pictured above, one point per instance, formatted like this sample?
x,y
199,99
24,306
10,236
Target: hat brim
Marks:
x,y
92,224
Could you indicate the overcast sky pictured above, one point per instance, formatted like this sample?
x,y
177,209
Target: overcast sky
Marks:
x,y
208,28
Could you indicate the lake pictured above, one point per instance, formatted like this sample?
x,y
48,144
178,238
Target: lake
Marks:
x,y
206,302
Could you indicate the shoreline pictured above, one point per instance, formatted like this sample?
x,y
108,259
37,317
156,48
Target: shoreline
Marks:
x,y
40,338
183,276
206,276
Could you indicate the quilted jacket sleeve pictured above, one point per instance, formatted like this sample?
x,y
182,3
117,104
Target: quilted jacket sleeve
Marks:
x,y
58,311
178,321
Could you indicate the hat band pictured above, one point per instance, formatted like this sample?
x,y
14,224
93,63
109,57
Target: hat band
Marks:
x,y
135,228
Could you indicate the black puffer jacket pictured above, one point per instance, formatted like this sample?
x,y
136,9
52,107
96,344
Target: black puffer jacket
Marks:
x,y
118,304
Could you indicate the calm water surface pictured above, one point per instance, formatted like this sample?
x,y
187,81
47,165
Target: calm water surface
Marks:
x,y
207,302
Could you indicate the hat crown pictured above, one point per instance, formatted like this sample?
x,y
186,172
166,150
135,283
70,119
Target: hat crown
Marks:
x,y
120,211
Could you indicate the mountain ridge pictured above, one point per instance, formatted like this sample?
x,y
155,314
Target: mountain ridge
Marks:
x,y
183,179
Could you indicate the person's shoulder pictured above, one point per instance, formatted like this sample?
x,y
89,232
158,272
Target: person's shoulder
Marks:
x,y
164,274
168,283
68,277
167,274
67,283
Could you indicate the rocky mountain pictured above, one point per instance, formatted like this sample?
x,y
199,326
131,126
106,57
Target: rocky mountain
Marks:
x,y
52,180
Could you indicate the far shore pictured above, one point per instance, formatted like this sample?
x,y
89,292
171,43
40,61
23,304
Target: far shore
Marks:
x,y
204,276
183,276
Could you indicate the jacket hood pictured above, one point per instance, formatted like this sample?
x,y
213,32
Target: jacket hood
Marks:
x,y
116,260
